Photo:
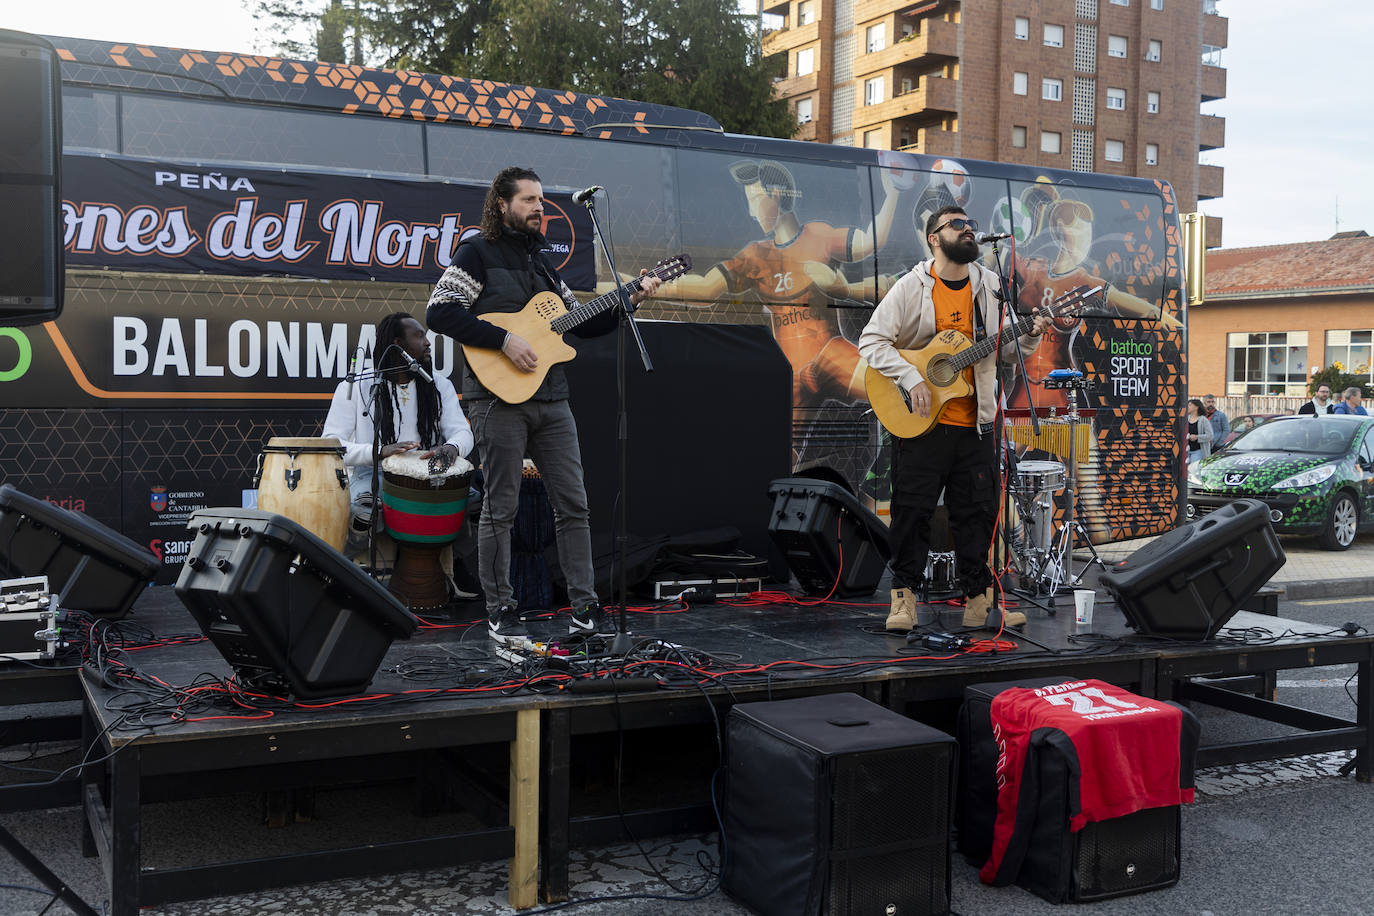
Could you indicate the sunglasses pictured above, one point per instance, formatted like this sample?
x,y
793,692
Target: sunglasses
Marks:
x,y
958,225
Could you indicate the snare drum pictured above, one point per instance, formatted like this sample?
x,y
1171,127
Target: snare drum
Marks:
x,y
1035,477
304,480
423,511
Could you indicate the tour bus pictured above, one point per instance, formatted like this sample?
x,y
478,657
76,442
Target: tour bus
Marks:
x,y
235,225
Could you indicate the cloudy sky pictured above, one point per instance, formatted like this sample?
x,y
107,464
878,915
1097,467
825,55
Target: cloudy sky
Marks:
x,y
1299,133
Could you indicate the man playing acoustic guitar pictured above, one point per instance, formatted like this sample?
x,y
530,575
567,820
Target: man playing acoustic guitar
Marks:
x,y
500,271
959,453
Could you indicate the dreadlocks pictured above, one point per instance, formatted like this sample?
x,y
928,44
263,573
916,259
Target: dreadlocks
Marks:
x,y
391,359
502,188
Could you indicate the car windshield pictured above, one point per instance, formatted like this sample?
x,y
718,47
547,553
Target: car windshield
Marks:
x,y
1314,436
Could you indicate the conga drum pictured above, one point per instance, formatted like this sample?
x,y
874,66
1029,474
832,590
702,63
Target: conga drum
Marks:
x,y
423,510
304,479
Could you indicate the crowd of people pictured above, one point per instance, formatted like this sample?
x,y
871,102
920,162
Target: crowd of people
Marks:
x,y
1209,428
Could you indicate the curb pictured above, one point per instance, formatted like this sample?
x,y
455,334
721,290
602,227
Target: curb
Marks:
x,y
1325,588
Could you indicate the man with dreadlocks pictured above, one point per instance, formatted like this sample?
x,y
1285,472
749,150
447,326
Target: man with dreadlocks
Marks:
x,y
500,270
411,411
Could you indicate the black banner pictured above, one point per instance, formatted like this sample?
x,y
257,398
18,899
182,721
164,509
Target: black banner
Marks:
x,y
133,214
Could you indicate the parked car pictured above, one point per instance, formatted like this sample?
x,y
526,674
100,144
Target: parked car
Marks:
x,y
1316,474
1243,424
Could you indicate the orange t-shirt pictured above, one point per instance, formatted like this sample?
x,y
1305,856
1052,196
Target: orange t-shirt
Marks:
x,y
954,310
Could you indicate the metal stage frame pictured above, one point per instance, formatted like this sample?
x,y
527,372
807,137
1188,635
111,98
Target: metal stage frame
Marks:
x,y
533,817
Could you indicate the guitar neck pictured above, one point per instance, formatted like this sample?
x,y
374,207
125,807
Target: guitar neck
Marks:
x,y
987,345
1064,304
590,309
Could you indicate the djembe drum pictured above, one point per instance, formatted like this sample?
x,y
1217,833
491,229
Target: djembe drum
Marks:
x,y
423,509
303,479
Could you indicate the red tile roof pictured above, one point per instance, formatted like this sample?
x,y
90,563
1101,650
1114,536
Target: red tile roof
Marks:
x,y
1331,266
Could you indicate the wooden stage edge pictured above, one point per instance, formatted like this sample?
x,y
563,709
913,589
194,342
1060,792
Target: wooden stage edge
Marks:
x,y
437,704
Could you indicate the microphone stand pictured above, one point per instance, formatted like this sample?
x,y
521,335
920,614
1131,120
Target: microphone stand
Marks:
x,y
1009,294
370,411
622,643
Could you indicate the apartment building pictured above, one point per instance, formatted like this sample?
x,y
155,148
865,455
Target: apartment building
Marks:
x,y
1115,86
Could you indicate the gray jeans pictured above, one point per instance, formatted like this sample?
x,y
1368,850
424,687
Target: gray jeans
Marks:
x,y
546,432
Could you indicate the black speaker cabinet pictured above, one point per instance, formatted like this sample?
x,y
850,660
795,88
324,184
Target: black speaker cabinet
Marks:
x,y
827,536
1187,583
1124,855
31,281
285,609
90,566
834,805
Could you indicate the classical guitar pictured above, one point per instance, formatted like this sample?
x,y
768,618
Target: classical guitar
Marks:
x,y
543,322
942,363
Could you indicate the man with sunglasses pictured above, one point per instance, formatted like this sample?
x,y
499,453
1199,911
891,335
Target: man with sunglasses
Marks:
x,y
951,291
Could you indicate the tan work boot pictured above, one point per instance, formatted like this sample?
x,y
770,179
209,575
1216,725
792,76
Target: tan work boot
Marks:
x,y
977,608
902,617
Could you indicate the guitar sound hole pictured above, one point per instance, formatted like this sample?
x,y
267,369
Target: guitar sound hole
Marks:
x,y
939,373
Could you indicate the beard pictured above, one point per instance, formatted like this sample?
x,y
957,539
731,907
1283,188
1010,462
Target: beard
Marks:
x,y
528,226
960,251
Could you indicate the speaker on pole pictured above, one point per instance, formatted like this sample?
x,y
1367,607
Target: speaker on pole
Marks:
x,y
1187,583
286,610
31,280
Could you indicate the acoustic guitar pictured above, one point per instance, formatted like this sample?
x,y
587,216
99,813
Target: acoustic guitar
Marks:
x,y
542,323
942,363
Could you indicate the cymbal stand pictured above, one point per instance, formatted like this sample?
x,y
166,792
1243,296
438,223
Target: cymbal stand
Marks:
x,y
1060,564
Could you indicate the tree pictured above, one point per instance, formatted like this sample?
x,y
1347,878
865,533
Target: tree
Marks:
x,y
699,54
1338,380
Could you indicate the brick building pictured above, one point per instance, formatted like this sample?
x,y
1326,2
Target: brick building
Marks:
x,y
1274,314
1094,85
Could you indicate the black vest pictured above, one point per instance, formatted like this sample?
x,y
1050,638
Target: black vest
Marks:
x,y
516,270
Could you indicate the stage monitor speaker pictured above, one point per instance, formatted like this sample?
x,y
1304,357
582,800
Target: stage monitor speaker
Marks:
x,y
90,566
835,805
1187,583
286,610
31,280
828,537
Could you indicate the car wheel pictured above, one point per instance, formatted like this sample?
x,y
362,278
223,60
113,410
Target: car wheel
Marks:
x,y
1340,523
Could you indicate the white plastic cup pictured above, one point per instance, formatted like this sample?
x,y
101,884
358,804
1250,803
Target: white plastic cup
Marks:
x,y
1083,605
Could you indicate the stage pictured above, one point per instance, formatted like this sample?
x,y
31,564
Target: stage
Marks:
x,y
514,742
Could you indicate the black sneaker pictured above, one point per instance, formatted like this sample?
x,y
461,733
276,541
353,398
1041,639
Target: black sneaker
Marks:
x,y
507,626
590,621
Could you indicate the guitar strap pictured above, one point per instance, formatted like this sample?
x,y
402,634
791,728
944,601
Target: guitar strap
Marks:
x,y
980,330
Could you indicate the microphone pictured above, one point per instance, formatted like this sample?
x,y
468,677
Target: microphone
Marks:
x,y
352,365
581,197
419,370
992,237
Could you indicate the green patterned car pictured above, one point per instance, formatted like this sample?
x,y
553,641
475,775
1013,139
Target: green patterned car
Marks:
x,y
1316,474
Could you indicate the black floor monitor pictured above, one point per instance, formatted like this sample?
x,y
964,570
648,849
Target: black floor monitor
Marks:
x,y
1187,583
286,610
90,566
833,544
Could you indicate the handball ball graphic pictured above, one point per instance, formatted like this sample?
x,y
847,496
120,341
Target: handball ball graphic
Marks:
x,y
1011,216
953,176
900,167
